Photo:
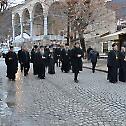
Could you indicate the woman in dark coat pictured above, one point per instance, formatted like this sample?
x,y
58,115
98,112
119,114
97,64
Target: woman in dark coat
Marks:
x,y
76,60
122,65
11,61
112,64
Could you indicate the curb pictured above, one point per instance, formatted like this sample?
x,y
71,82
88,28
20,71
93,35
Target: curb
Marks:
x,y
105,71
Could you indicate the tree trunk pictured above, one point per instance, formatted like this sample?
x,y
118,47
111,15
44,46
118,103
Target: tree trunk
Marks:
x,y
82,42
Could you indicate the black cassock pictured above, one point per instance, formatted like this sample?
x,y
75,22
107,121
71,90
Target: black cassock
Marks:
x,y
76,61
11,61
122,66
51,64
40,58
34,61
112,64
65,59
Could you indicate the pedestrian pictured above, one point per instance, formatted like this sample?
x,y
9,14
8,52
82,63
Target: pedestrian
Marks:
x,y
112,64
19,58
46,53
88,52
41,58
57,53
65,59
11,61
122,65
33,59
94,55
51,66
76,59
25,60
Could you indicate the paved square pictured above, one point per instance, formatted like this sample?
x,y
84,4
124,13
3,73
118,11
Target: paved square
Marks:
x,y
58,101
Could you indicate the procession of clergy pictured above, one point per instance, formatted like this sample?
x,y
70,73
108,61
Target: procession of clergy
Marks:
x,y
47,57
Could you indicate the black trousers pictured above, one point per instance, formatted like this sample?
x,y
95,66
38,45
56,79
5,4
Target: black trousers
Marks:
x,y
76,75
21,66
26,67
41,70
93,66
35,68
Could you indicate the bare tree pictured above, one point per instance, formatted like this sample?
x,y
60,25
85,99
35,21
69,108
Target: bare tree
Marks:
x,y
82,13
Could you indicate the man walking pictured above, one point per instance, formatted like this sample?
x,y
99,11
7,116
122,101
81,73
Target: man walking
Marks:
x,y
33,59
122,65
112,64
41,59
25,60
76,60
94,55
11,61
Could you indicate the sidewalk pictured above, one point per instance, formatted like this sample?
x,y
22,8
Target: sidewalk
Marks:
x,y
101,65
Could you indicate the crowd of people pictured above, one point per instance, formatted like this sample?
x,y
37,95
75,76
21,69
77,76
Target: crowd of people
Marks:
x,y
47,57
116,63
44,58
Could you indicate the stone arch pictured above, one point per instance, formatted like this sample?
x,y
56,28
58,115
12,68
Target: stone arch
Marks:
x,y
17,24
38,19
57,19
26,21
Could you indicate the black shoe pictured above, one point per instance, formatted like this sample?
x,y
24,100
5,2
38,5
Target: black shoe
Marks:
x,y
113,82
76,81
41,77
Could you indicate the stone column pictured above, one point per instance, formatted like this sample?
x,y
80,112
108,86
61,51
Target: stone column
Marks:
x,y
45,25
13,28
21,23
31,26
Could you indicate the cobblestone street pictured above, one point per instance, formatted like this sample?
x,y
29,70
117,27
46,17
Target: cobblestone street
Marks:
x,y
58,101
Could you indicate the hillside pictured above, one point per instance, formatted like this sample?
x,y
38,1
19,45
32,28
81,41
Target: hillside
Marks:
x,y
5,24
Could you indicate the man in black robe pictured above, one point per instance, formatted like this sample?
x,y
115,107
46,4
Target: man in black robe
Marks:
x,y
41,58
112,64
51,65
76,60
11,61
122,65
57,53
65,59
33,59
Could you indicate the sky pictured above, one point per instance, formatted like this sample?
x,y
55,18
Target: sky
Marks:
x,y
16,1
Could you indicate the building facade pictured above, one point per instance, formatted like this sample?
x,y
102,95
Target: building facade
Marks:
x,y
46,20
104,23
40,19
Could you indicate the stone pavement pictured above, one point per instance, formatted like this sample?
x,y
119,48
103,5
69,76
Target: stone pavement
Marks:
x,y
58,101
